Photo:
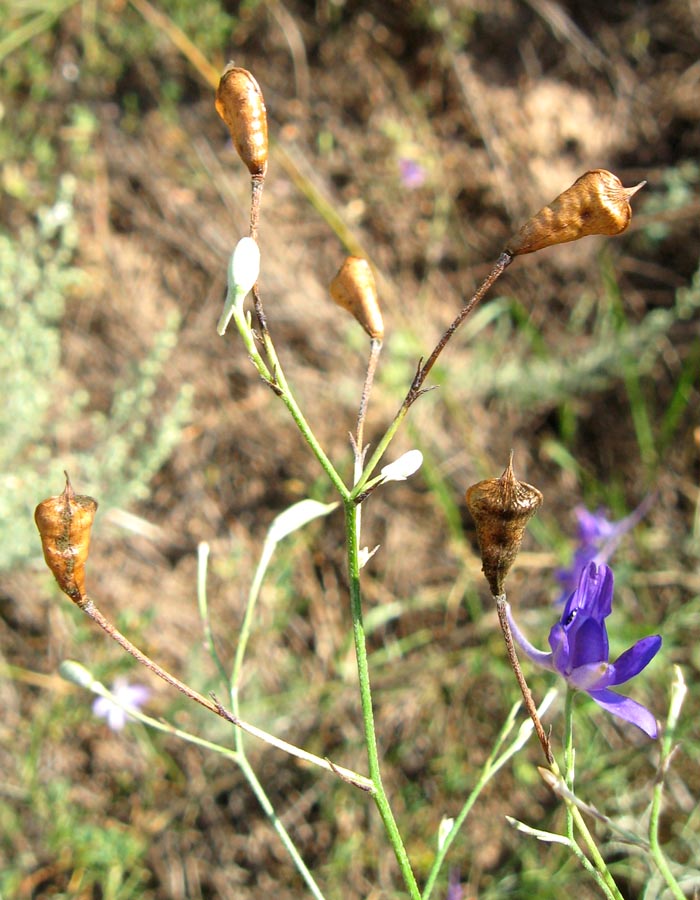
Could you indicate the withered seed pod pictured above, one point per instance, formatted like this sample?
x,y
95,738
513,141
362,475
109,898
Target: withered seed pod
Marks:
x,y
354,289
596,203
501,508
240,103
64,523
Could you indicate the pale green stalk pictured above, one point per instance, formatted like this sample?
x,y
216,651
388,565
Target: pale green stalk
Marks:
x,y
32,28
202,564
424,369
378,793
574,820
678,693
281,831
158,725
492,765
247,624
281,386
238,755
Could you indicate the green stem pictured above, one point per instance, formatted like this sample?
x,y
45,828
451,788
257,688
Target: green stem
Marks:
x,y
277,381
424,368
243,325
677,697
308,435
575,821
279,828
379,452
378,794
247,624
492,765
241,762
569,760
203,606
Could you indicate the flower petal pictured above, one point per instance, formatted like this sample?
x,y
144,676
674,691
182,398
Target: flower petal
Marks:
x,y
632,661
628,710
589,643
134,695
591,676
403,467
537,656
561,651
593,525
598,538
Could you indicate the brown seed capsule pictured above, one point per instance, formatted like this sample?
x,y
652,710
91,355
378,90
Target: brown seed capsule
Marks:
x,y
596,203
354,289
239,102
501,508
64,523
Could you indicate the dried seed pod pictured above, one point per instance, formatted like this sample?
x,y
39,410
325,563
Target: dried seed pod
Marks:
x,y
501,508
596,203
64,523
354,289
240,103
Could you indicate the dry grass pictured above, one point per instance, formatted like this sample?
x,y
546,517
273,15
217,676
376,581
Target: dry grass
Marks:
x,y
503,105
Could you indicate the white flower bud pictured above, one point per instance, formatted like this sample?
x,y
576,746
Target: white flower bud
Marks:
x,y
296,516
446,826
403,467
243,271
77,673
244,267
365,554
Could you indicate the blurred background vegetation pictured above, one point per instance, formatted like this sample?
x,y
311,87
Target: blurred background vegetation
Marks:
x,y
422,135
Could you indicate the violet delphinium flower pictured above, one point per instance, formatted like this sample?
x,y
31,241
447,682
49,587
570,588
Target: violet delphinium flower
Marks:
x,y
454,888
598,538
412,173
132,696
580,650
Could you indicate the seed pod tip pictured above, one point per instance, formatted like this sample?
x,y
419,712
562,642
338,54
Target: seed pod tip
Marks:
x,y
596,203
501,508
64,523
355,290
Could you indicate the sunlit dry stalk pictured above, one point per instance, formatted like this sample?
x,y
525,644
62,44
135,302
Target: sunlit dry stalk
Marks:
x,y
65,523
530,705
502,263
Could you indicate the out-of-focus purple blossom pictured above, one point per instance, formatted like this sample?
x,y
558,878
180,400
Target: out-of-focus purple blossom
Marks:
x,y
580,649
598,538
132,696
411,173
454,888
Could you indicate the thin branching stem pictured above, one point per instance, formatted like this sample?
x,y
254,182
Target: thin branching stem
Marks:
x,y
234,756
501,609
279,384
94,613
423,370
491,767
214,706
678,694
375,348
378,793
573,816
279,828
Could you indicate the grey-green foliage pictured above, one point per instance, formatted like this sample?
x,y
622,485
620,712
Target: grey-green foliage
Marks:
x,y
38,413
678,189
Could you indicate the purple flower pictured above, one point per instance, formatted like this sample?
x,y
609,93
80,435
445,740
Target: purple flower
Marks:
x,y
580,650
132,696
598,538
411,173
454,888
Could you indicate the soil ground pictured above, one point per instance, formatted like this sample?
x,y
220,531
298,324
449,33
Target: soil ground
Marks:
x,y
501,106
